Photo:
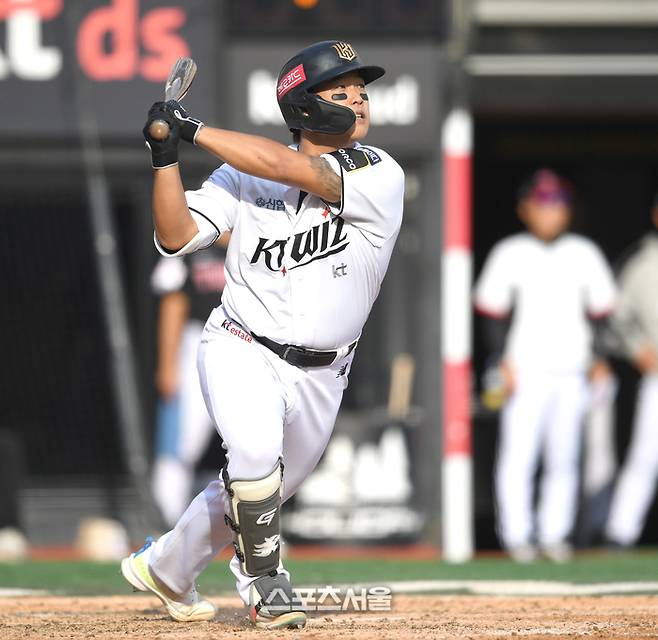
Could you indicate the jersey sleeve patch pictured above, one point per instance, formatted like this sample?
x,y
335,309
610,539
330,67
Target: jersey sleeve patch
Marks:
x,y
372,156
354,159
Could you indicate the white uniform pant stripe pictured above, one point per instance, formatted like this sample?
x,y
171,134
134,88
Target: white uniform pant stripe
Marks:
x,y
544,414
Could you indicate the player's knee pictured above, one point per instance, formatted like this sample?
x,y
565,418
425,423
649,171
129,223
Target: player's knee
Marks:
x,y
248,461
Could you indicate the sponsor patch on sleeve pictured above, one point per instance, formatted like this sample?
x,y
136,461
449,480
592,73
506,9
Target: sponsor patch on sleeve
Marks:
x,y
353,159
372,156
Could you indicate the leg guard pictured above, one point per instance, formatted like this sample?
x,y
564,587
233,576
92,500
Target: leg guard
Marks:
x,y
255,510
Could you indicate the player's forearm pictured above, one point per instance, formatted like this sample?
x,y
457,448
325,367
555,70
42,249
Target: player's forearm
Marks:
x,y
264,158
174,310
174,226
255,155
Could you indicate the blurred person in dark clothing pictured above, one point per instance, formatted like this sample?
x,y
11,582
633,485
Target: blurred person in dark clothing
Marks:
x,y
189,288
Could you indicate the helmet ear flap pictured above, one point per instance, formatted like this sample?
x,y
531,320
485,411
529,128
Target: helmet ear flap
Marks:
x,y
312,113
336,118
321,116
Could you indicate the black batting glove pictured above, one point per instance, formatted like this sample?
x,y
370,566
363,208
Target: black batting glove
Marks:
x,y
189,127
164,153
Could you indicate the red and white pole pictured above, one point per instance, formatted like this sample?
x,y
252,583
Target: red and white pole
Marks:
x,y
456,267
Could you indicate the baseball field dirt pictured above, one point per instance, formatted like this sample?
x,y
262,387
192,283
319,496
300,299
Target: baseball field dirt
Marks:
x,y
411,617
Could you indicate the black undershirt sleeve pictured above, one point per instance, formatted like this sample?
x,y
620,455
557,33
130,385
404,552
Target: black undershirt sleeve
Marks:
x,y
494,332
601,335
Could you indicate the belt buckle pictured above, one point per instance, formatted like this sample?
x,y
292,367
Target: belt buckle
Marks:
x,y
286,352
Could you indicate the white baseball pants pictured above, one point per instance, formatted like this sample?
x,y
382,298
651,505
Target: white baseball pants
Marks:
x,y
265,410
637,480
543,416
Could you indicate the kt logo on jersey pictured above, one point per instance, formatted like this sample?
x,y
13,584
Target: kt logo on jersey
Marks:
x,y
318,242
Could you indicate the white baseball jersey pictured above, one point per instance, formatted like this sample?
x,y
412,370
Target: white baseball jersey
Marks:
x,y
551,287
309,275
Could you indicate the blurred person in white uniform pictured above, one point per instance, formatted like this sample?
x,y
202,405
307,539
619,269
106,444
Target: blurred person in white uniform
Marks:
x,y
635,322
543,295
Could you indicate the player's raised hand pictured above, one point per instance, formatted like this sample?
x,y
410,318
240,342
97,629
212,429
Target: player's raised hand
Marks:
x,y
164,153
189,127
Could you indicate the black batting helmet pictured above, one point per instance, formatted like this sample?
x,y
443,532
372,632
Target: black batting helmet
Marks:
x,y
322,61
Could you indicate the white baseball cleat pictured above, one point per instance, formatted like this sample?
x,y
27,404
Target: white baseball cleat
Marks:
x,y
523,554
292,620
188,608
560,552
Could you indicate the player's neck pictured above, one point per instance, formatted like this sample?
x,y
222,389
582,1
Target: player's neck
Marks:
x,y
547,238
315,144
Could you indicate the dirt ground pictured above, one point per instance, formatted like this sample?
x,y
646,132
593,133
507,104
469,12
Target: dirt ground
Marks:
x,y
411,617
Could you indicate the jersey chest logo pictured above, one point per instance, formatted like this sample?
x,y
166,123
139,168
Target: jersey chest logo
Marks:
x,y
271,203
316,243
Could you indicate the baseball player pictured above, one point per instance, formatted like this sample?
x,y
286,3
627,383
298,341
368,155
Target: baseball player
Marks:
x,y
636,323
189,288
313,226
552,281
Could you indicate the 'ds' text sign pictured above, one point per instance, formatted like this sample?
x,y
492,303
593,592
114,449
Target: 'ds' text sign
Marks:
x,y
129,45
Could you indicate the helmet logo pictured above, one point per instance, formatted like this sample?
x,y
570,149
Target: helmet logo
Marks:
x,y
291,79
345,51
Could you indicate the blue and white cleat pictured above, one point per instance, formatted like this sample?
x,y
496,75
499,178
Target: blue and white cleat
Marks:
x,y
188,608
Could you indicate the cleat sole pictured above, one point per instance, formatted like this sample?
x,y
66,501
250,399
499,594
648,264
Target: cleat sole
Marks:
x,y
292,620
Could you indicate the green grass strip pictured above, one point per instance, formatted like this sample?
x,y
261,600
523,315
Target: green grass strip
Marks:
x,y
88,578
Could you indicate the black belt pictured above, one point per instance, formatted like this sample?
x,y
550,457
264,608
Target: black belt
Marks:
x,y
300,356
